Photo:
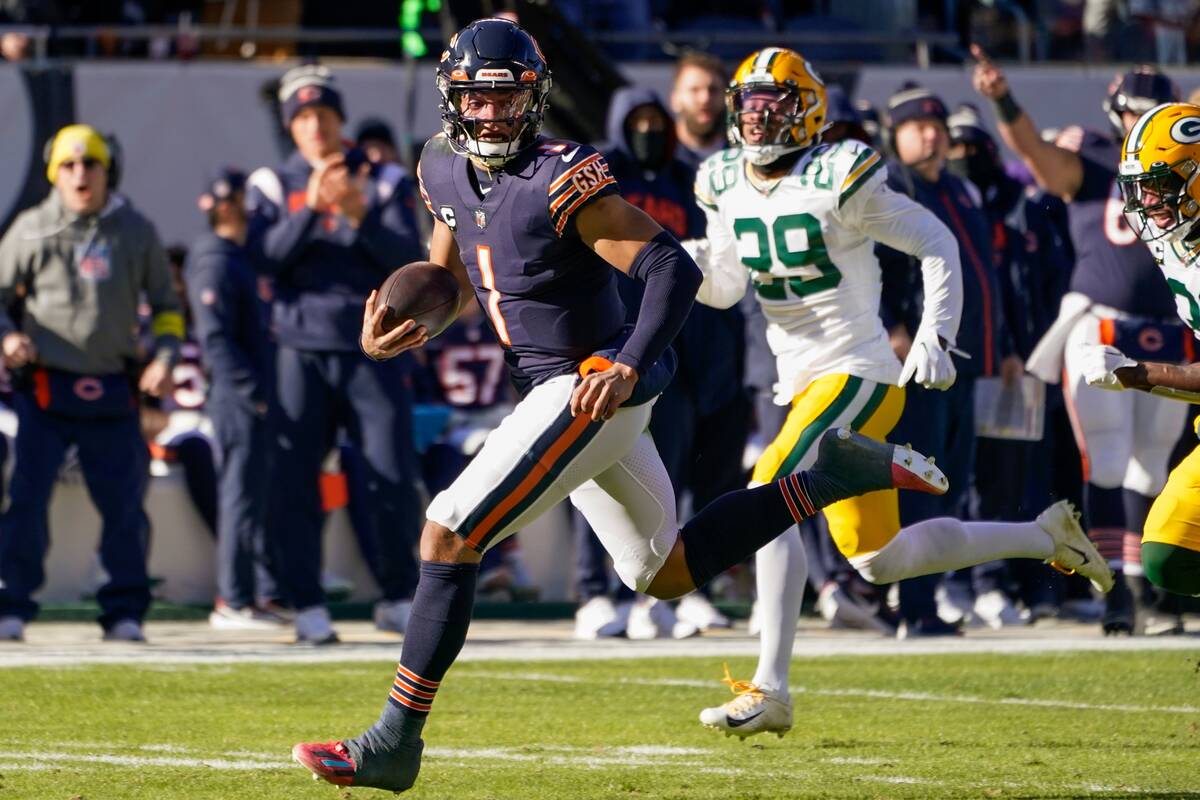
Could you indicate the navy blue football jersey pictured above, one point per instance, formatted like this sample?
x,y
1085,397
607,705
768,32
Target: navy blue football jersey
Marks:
x,y
550,299
1112,266
466,367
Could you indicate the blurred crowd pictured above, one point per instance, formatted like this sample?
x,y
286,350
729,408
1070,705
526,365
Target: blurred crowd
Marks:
x,y
245,374
1162,31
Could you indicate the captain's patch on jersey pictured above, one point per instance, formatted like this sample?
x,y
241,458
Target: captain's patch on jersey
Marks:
x,y
448,217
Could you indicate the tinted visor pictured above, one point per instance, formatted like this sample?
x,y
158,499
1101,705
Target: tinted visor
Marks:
x,y
1153,192
491,113
777,109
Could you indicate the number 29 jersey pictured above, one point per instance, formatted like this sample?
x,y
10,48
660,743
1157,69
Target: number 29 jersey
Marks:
x,y
808,246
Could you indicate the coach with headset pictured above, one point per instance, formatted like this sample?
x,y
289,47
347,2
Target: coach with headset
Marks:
x,y
73,268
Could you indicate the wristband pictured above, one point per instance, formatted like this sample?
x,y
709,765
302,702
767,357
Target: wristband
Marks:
x,y
1007,108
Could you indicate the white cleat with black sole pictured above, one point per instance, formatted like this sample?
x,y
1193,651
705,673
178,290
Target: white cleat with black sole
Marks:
x,y
1073,551
751,711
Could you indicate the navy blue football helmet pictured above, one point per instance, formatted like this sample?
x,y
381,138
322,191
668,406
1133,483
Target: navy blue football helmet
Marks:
x,y
493,54
1137,92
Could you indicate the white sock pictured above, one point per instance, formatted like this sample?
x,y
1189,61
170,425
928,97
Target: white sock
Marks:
x,y
781,572
944,543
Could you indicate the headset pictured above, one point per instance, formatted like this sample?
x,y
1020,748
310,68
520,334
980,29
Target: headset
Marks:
x,y
115,157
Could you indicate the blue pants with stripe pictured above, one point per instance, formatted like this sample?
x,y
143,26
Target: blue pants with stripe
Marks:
x,y
320,392
115,463
247,562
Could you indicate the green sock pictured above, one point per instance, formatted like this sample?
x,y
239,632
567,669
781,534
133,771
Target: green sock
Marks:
x,y
1171,567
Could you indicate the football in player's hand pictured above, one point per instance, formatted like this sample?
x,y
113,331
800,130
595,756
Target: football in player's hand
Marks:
x,y
423,292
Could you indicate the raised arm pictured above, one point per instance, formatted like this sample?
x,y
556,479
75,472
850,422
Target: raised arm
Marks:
x,y
1058,171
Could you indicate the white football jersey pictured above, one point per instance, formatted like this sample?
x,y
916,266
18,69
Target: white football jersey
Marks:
x,y
806,243
1181,269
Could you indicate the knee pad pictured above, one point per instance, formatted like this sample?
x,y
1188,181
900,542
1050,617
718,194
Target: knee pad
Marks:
x,y
638,566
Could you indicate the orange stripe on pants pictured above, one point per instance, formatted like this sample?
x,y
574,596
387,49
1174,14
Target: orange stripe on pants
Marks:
x,y
539,470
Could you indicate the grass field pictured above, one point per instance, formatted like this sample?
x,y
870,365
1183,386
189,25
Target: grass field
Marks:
x,y
955,726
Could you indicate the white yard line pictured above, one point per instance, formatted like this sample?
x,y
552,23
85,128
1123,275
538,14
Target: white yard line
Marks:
x,y
179,644
636,756
921,697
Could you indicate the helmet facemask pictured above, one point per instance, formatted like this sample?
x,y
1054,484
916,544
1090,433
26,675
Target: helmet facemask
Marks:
x,y
1158,204
491,121
780,110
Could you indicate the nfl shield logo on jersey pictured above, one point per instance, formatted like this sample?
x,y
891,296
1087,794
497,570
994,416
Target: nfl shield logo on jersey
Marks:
x,y
480,218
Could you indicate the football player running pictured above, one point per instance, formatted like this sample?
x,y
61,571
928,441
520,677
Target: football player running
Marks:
x,y
1158,171
535,228
799,220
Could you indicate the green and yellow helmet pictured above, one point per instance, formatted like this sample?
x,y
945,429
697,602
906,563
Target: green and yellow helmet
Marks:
x,y
1160,161
795,108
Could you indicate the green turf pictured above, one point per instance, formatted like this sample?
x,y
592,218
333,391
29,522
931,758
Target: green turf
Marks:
x,y
908,727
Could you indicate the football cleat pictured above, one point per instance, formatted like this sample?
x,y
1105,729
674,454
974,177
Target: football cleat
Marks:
x,y
856,465
1120,609
328,761
333,762
1073,551
752,710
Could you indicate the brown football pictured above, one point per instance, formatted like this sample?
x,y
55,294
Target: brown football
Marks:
x,y
420,291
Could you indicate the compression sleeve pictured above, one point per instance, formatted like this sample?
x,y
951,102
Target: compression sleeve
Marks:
x,y
899,222
671,278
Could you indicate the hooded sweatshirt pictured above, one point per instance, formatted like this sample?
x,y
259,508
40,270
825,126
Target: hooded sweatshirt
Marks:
x,y
711,344
79,279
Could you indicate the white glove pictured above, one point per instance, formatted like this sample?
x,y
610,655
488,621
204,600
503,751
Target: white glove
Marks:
x,y
1099,363
928,362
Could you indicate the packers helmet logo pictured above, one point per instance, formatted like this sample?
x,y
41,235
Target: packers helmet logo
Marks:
x,y
1186,130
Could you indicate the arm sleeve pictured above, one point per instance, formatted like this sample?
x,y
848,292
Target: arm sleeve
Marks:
x,y
671,279
275,239
725,276
389,230
166,320
214,306
897,221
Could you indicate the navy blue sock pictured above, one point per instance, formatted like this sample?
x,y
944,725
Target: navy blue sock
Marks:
x,y
437,628
735,525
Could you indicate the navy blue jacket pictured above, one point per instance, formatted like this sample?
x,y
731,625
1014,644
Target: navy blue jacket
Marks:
x,y
229,318
711,345
982,332
322,267
1033,260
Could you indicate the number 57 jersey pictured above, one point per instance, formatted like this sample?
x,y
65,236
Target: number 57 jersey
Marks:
x,y
806,244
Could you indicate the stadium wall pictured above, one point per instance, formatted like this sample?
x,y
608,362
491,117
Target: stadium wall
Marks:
x,y
177,121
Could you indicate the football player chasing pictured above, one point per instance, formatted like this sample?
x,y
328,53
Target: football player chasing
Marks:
x,y
1158,171
535,227
799,220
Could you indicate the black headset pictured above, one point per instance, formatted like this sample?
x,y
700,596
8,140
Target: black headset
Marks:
x,y
115,157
